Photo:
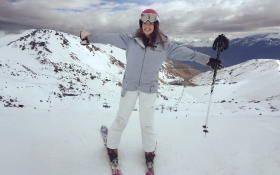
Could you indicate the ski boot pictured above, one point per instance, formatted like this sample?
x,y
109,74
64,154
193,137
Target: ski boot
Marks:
x,y
113,154
150,160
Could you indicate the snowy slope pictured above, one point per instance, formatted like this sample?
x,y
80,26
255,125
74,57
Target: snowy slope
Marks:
x,y
56,134
263,75
55,64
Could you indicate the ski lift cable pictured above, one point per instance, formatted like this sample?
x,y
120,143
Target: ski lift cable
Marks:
x,y
180,98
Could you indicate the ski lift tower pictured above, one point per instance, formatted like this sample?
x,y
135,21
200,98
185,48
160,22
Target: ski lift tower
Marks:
x,y
162,107
169,108
156,107
105,104
175,108
134,109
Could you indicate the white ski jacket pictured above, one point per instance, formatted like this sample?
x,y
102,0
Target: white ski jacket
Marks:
x,y
143,63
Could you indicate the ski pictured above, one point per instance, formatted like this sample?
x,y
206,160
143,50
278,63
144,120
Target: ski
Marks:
x,y
114,164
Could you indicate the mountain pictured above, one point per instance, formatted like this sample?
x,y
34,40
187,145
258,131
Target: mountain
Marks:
x,y
56,94
182,70
261,46
256,75
199,43
46,58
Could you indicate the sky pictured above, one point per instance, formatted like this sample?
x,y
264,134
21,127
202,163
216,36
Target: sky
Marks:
x,y
181,21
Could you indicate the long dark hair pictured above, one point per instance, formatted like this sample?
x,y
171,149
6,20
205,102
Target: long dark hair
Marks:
x,y
156,36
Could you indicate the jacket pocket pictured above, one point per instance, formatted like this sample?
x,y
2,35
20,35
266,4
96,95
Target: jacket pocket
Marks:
x,y
153,89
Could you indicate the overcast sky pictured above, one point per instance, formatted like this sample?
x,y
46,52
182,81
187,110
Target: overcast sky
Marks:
x,y
179,20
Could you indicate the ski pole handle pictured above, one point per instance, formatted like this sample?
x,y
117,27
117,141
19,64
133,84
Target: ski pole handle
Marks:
x,y
221,42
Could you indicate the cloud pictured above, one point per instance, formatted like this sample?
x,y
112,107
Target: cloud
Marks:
x,y
246,16
180,20
228,17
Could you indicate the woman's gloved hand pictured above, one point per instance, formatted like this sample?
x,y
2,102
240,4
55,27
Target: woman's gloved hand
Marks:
x,y
212,61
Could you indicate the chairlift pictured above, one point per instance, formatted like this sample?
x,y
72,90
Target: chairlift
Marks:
x,y
105,104
169,108
162,107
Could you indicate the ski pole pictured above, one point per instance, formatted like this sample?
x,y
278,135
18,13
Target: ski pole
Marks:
x,y
222,43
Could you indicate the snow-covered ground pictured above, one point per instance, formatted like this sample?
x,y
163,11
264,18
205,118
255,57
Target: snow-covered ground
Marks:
x,y
56,134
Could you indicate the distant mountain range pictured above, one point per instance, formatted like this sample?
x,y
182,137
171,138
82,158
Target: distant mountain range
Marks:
x,y
261,46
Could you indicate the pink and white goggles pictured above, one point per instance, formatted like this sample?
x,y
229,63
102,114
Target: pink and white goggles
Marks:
x,y
149,16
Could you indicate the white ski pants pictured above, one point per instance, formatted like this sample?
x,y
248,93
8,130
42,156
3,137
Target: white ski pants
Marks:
x,y
147,104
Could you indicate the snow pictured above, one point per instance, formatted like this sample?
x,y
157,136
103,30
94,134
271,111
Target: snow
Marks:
x,y
61,135
271,39
202,42
273,35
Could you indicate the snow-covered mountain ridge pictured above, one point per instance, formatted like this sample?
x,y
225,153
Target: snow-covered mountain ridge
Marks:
x,y
255,75
55,63
261,46
199,43
269,39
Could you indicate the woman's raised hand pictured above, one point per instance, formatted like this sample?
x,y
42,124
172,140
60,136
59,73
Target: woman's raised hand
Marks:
x,y
84,37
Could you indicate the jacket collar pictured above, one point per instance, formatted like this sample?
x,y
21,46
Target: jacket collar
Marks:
x,y
140,42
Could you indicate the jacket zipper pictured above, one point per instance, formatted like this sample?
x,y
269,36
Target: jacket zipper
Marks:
x,y
142,65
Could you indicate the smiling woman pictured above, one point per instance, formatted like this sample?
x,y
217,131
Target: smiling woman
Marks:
x,y
146,51
149,30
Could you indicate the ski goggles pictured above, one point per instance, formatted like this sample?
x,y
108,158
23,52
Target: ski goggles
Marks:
x,y
149,16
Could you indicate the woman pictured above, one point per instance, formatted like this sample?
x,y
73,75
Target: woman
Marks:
x,y
146,51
